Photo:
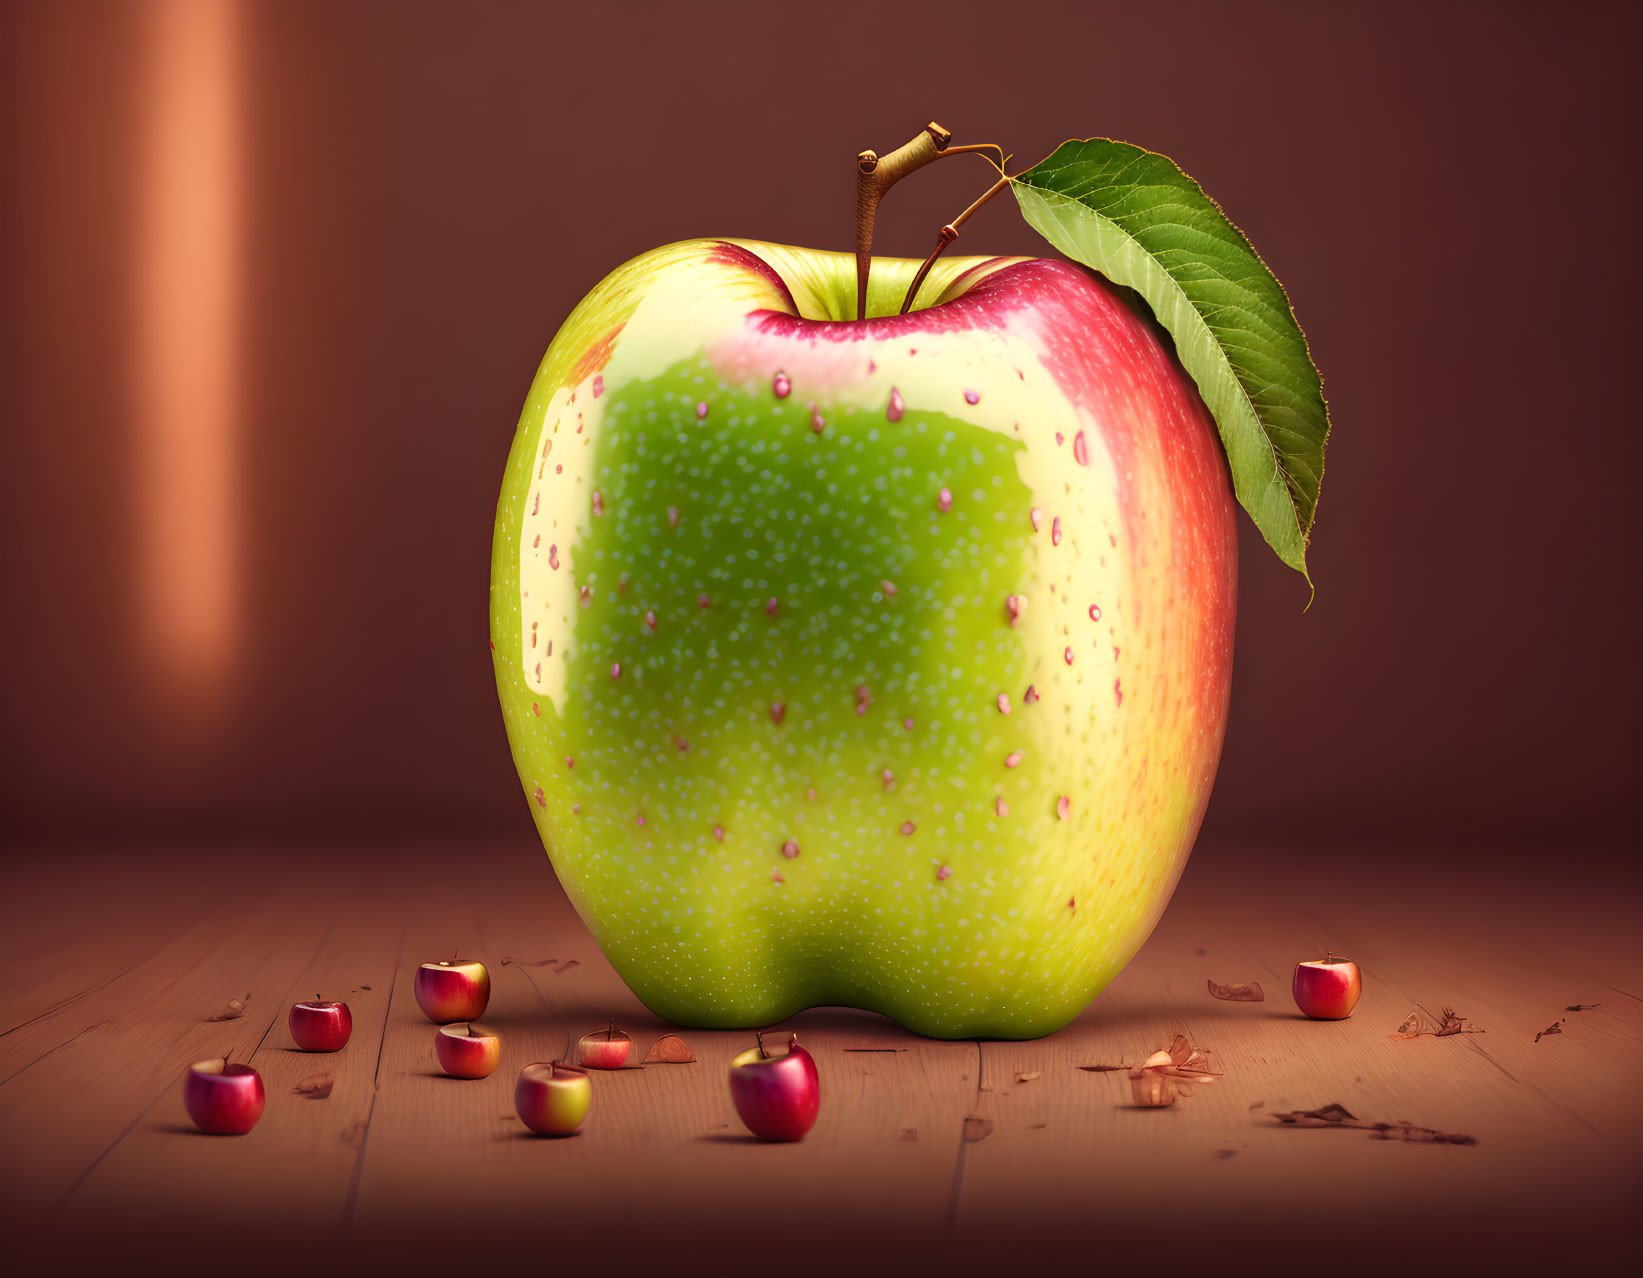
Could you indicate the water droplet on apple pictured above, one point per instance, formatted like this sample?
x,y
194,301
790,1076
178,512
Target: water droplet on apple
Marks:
x,y
1095,612
553,556
622,584
907,827
972,397
776,877
1081,450
569,761
1031,695
889,779
1067,656
1001,805
1037,517
616,670
818,423
896,408
541,799
673,516
944,872
1118,691
907,724
1014,607
702,601
790,849
1004,703
598,502
1059,439
1013,759
771,605
864,698
650,622
944,501
719,833
782,385
778,711
598,385
1055,531
701,410
889,589
1063,806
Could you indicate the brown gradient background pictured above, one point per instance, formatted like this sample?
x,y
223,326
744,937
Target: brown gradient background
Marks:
x,y
1450,194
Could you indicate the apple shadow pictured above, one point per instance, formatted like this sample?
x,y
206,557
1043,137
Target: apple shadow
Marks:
x,y
740,1138
183,1129
530,1135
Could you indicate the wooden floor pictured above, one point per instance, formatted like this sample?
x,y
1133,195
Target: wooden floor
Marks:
x,y
115,960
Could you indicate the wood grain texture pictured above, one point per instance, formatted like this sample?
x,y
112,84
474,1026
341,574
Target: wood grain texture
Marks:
x,y
958,1146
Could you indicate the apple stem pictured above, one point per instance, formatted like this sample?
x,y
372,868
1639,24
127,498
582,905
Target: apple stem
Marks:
x,y
763,1055
949,233
875,175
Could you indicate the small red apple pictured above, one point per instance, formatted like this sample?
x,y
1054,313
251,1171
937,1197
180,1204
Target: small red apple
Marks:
x,y
223,1099
776,1096
604,1049
453,990
1327,989
467,1051
552,1099
320,1026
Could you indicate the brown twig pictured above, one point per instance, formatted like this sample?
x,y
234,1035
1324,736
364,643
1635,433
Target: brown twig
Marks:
x,y
948,234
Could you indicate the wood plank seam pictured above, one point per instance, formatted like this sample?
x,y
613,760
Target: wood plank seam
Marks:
x,y
1382,979
964,1143
166,1090
376,1087
49,1051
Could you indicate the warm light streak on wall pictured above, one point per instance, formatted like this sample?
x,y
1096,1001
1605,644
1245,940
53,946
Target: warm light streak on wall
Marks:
x,y
188,350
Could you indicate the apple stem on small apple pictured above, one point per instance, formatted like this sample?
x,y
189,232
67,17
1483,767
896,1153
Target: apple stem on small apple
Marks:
x,y
759,1035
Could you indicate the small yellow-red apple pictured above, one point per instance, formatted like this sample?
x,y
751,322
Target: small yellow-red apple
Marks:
x,y
453,990
1327,989
467,1051
604,1049
552,1098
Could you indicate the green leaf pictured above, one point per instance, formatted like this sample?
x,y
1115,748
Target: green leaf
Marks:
x,y
1132,215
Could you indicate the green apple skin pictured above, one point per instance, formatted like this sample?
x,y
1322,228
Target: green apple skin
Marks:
x,y
881,664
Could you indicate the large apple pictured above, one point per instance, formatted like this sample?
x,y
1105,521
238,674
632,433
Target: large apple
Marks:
x,y
880,663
